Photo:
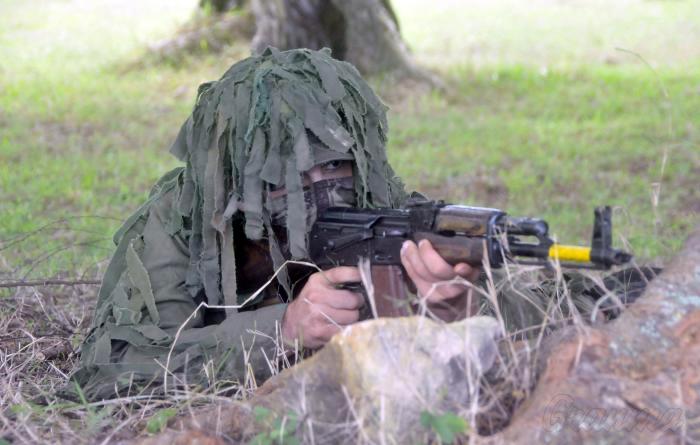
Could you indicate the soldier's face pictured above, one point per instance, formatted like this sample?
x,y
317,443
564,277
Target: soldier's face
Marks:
x,y
330,184
321,172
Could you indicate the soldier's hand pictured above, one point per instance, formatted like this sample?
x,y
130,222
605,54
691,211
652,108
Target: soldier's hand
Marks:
x,y
426,268
321,309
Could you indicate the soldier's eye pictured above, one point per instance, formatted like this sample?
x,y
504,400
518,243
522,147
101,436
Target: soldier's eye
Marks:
x,y
332,165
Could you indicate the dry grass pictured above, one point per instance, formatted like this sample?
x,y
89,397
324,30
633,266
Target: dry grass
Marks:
x,y
41,330
43,327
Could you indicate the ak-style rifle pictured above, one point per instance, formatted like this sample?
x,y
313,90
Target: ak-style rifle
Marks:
x,y
473,235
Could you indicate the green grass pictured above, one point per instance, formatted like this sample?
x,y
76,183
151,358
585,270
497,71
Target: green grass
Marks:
x,y
551,33
558,145
82,133
543,117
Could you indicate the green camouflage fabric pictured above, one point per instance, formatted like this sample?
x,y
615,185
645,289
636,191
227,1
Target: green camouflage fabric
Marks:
x,y
248,130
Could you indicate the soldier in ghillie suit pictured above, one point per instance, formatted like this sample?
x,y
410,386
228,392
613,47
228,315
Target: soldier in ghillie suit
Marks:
x,y
277,139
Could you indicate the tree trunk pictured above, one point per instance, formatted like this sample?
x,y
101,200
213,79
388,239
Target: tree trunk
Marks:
x,y
220,6
362,32
372,38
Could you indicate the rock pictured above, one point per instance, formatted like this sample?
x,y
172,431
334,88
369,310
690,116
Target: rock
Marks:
x,y
375,379
635,380
369,383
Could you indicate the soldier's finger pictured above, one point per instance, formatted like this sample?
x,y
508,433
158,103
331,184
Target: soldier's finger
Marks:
x,y
342,274
463,269
326,332
343,299
445,292
435,264
340,317
467,271
410,257
418,281
435,291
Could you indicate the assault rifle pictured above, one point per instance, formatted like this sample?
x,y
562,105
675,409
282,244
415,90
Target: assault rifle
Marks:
x,y
473,235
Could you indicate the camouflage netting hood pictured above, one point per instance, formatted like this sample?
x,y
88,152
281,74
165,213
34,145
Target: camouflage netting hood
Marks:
x,y
251,128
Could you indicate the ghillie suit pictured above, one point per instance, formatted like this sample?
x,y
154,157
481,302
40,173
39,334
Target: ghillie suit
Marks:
x,y
195,239
206,233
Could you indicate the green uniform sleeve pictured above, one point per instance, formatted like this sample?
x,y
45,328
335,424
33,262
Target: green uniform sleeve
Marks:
x,y
137,322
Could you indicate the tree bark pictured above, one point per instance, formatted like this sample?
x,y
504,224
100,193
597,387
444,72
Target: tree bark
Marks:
x,y
220,6
362,32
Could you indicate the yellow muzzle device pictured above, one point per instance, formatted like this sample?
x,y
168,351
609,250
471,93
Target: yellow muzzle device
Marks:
x,y
576,254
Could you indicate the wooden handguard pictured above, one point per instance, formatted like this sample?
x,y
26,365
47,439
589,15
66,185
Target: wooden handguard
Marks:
x,y
456,249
